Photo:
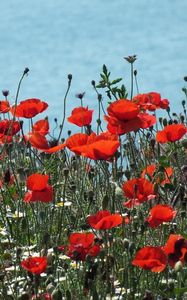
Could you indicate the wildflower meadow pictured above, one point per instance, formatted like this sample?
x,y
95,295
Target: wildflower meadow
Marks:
x,y
98,212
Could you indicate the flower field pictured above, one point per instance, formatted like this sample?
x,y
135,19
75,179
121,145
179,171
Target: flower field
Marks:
x,y
101,213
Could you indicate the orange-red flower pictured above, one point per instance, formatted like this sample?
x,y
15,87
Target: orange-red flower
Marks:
x,y
97,147
159,214
162,178
4,106
103,220
81,116
150,258
81,245
39,189
29,108
176,249
41,127
9,127
40,142
171,133
150,101
124,116
138,190
35,265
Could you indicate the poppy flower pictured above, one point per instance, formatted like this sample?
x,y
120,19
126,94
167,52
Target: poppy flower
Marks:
x,y
176,249
4,107
159,214
150,101
81,116
103,220
138,190
97,147
171,133
9,127
35,265
124,116
162,178
5,139
81,245
150,258
29,108
39,189
39,141
41,127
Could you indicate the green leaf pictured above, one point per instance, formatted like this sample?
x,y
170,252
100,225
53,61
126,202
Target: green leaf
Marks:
x,y
116,81
105,71
164,161
180,291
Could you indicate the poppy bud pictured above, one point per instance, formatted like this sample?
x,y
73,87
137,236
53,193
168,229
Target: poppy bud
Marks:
x,y
131,58
5,93
93,83
26,71
135,72
185,78
183,103
178,266
70,77
126,243
160,120
118,192
66,172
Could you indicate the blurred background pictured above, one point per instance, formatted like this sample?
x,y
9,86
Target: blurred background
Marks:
x,y
55,38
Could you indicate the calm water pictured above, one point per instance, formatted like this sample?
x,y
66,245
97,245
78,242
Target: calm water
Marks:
x,y
54,38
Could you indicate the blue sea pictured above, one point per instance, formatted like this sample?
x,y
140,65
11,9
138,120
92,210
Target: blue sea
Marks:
x,y
54,38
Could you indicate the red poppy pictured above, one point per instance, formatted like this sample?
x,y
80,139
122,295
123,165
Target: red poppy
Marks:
x,y
39,189
40,142
103,220
81,116
138,190
123,109
97,147
81,245
176,249
35,265
29,108
41,127
159,214
150,101
9,127
5,139
4,106
124,116
150,258
162,178
171,133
